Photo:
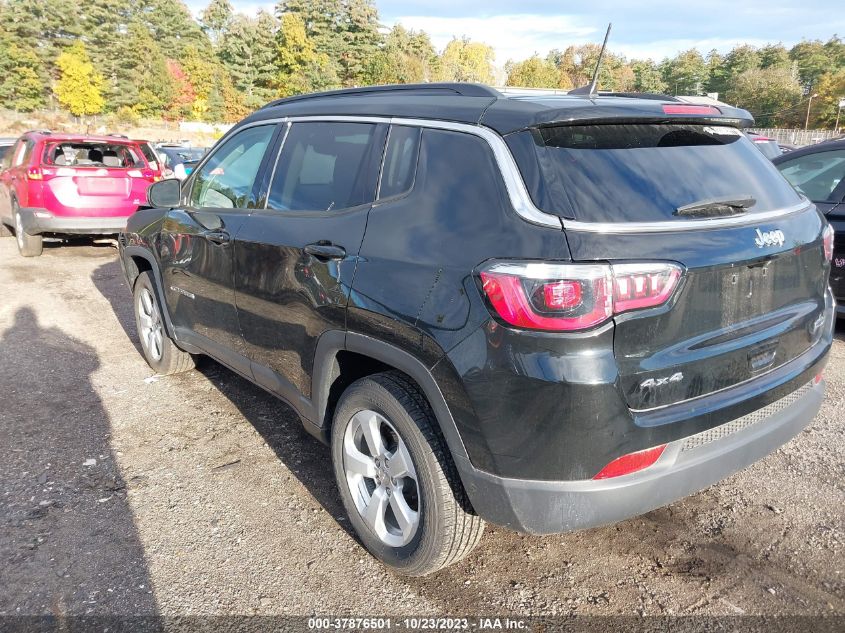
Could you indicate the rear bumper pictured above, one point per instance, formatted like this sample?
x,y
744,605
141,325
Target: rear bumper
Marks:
x,y
686,466
37,221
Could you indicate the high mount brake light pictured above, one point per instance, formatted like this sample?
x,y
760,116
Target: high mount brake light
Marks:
x,y
691,109
827,238
572,297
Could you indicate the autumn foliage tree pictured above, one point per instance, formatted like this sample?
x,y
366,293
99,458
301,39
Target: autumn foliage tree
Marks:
x,y
79,86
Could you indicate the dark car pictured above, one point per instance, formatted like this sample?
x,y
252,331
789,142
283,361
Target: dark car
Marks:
x,y
178,160
549,313
6,144
818,172
768,146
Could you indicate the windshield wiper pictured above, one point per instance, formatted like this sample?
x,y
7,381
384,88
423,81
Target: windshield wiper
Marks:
x,y
717,207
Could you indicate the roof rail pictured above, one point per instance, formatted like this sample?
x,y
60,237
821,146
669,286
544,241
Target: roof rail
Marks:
x,y
38,132
457,88
656,96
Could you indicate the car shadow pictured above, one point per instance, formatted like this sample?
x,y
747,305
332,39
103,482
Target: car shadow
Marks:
x,y
68,540
106,279
280,427
277,423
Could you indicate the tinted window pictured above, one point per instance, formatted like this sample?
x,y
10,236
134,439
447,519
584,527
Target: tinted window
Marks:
x,y
400,161
816,175
5,151
639,172
227,179
326,166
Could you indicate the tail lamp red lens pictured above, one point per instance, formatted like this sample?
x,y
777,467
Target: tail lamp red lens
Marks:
x,y
827,238
571,297
631,463
34,173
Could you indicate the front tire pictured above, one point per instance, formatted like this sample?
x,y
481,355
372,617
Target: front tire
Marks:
x,y
28,245
159,350
397,479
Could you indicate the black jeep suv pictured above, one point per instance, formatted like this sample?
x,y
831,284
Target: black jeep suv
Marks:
x,y
546,312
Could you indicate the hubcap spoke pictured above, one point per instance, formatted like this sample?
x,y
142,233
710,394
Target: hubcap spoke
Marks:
x,y
358,463
399,464
376,508
405,516
371,427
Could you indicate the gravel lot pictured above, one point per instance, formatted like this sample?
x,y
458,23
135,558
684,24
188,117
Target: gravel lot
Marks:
x,y
124,493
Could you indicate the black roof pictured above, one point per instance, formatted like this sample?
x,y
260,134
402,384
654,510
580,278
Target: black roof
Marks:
x,y
825,146
479,104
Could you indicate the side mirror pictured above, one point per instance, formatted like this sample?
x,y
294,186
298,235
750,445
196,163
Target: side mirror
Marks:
x,y
165,193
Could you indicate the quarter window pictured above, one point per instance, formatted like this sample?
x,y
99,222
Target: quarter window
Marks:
x,y
400,161
816,175
226,180
326,167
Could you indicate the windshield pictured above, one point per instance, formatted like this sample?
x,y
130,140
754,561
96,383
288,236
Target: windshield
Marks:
x,y
93,154
643,172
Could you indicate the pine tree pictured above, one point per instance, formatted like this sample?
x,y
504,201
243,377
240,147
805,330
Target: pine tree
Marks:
x,y
21,86
216,20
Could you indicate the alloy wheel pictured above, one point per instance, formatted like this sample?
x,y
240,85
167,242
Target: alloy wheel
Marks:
x,y
381,478
152,332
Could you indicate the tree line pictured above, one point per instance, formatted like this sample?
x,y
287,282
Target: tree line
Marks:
x,y
772,82
152,58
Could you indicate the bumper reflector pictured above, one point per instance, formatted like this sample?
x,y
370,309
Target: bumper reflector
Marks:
x,y
631,463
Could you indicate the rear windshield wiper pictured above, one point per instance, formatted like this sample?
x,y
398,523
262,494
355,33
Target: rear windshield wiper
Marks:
x,y
717,207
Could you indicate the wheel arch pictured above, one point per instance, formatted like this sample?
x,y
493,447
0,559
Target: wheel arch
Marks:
x,y
138,260
343,358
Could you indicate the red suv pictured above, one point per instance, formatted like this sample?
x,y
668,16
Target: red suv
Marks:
x,y
61,184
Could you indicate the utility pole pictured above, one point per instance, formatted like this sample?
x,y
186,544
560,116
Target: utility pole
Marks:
x,y
809,103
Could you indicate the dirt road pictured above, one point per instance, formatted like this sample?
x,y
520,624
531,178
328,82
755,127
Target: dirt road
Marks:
x,y
123,493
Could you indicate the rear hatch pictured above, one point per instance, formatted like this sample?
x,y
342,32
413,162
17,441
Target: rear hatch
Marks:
x,y
752,294
92,178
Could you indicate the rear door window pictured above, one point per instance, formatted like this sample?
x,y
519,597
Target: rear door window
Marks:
x,y
818,176
644,172
327,167
400,161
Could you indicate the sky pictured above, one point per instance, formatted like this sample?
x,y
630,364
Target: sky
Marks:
x,y
516,29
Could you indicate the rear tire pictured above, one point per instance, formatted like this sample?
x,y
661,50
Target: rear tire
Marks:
x,y
28,245
404,499
159,350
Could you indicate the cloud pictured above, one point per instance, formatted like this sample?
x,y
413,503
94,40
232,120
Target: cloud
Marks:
x,y
513,36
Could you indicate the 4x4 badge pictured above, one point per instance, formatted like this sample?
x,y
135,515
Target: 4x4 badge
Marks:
x,y
769,238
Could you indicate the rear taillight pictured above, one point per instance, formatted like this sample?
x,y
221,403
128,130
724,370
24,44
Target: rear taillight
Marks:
x,y
827,238
631,463
570,297
34,173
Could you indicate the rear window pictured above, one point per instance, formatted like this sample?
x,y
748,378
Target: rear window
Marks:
x,y
113,155
643,172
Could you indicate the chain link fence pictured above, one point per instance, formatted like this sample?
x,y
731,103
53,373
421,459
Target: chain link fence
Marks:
x,y
797,137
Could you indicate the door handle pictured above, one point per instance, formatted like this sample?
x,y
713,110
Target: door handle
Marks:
x,y
218,237
325,250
